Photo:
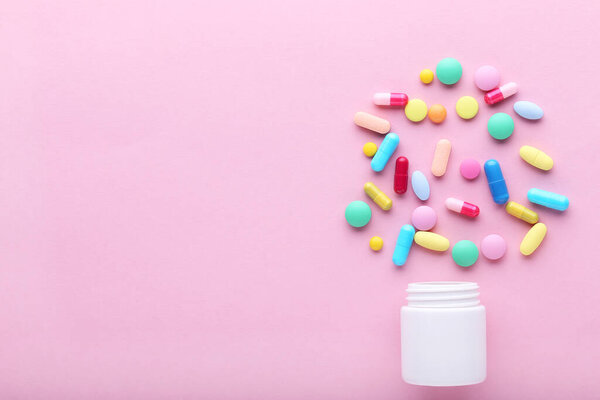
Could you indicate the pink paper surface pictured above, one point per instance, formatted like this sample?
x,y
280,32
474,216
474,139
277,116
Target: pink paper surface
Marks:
x,y
174,176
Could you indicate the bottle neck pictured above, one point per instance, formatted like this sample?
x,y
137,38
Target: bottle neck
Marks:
x,y
442,294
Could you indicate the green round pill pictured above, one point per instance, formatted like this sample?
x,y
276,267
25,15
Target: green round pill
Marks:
x,y
465,253
358,213
501,126
448,71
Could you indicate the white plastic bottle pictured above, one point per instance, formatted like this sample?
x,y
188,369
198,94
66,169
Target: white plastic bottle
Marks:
x,y
443,334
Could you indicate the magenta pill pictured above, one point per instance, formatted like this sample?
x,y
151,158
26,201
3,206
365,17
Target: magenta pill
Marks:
x,y
424,218
487,78
493,246
470,168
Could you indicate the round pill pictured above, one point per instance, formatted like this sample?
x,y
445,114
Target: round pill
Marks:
x,y
376,243
424,218
437,113
487,78
416,110
470,168
493,247
358,214
501,126
426,76
449,71
465,253
370,149
467,107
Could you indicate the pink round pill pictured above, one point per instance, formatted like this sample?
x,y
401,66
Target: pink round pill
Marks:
x,y
493,246
424,218
470,168
487,78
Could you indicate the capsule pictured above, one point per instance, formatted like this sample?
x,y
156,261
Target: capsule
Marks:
x,y
536,157
522,212
462,207
533,239
378,196
496,182
548,199
384,152
403,244
432,241
371,122
401,175
497,95
440,157
390,99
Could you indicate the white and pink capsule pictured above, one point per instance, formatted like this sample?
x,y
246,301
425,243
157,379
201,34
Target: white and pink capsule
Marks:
x,y
462,207
390,99
500,93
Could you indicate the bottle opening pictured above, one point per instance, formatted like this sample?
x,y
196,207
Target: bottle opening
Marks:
x,y
442,294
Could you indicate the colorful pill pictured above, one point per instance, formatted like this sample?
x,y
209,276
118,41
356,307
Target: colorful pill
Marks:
x,y
548,199
533,239
390,99
371,122
496,182
378,196
462,207
522,212
416,110
528,110
403,244
437,113
432,241
426,76
440,157
497,95
370,149
536,157
423,218
470,168
376,243
420,185
401,175
385,151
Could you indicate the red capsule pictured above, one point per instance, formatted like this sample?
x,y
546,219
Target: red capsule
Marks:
x,y
401,175
462,207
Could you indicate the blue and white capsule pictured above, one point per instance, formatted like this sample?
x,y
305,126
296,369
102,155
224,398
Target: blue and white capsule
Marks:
x,y
548,199
385,151
403,244
496,182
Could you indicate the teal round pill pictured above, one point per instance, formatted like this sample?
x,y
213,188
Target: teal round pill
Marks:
x,y
465,253
448,71
358,213
501,126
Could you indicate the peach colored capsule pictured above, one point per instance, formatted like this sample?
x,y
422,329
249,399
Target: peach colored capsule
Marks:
x,y
371,122
440,157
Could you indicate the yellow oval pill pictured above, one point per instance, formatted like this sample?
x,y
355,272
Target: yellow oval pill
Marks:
x,y
440,157
370,149
467,107
432,241
371,122
416,110
522,212
426,76
533,239
376,243
378,196
536,157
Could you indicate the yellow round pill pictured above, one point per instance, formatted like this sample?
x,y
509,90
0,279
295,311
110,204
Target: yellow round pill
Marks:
x,y
370,149
416,110
426,76
467,107
376,243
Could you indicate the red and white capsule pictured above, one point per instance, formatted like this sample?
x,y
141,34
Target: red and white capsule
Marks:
x,y
401,175
390,99
462,207
500,93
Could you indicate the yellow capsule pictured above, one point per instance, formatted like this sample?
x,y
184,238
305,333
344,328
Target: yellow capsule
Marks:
x,y
522,212
533,239
378,196
432,241
536,157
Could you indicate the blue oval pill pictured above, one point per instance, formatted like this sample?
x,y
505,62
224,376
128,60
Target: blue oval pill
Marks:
x,y
420,185
403,244
384,152
528,110
548,199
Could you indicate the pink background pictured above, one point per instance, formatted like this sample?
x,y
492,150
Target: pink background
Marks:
x,y
174,176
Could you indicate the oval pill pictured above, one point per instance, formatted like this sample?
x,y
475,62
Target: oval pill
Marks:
x,y
467,107
522,212
378,196
440,157
496,182
416,110
536,157
385,151
533,239
528,110
432,241
403,244
420,185
548,199
401,175
371,122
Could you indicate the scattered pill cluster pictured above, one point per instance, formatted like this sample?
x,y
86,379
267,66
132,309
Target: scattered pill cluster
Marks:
x,y
500,126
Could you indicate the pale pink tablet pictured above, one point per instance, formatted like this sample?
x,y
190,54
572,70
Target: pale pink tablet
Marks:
x,y
371,122
487,78
424,218
470,168
493,246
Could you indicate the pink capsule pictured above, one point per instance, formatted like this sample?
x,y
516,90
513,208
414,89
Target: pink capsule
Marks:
x,y
390,99
500,93
462,207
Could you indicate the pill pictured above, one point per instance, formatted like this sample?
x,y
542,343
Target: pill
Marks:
x,y
467,107
548,199
426,76
416,110
358,214
401,175
500,126
403,244
465,253
371,122
536,157
528,110
390,99
420,185
437,113
440,157
497,95
487,78
470,168
423,218
449,71
493,247
370,149
496,182
533,238
378,196
432,241
385,151
376,243
462,207
522,212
